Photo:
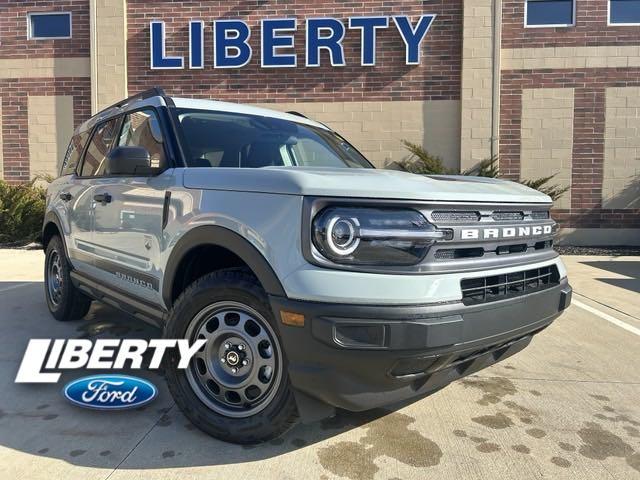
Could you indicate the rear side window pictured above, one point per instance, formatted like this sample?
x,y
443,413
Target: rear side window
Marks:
x,y
142,129
98,148
74,150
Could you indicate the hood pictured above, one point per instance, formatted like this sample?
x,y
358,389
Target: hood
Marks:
x,y
361,183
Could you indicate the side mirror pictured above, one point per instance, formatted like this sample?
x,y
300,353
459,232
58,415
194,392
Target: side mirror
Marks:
x,y
128,161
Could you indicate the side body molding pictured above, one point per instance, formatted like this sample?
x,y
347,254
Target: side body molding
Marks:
x,y
220,237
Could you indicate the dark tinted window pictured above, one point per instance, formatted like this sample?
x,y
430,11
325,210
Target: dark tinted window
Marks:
x,y
74,150
142,129
226,139
98,148
624,11
50,25
549,12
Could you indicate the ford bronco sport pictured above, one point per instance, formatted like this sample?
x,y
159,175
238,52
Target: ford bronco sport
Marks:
x,y
317,280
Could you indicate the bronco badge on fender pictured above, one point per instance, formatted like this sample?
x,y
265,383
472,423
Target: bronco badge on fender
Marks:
x,y
110,392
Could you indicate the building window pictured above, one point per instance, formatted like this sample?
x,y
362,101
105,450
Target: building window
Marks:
x,y
49,25
624,12
550,13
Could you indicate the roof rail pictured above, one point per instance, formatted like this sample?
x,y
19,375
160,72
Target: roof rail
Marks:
x,y
152,92
297,114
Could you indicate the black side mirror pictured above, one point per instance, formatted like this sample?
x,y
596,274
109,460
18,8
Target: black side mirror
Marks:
x,y
128,161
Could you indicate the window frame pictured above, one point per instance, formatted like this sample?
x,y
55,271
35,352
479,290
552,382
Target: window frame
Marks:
x,y
80,165
617,24
168,160
80,154
549,25
32,14
120,116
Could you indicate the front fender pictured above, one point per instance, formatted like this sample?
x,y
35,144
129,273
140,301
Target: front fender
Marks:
x,y
214,235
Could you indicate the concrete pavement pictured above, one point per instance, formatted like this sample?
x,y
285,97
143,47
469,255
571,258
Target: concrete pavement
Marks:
x,y
565,407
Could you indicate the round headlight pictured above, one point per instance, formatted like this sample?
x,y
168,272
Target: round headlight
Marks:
x,y
342,235
372,236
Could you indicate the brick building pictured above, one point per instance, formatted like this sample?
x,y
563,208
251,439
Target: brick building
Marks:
x,y
551,86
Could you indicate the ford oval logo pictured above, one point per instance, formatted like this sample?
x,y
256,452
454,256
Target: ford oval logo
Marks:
x,y
110,392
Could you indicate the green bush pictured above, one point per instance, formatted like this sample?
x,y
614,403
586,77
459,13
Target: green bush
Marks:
x,y
21,212
424,163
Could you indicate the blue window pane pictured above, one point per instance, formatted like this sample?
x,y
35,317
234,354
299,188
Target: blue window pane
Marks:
x,y
50,26
549,12
625,11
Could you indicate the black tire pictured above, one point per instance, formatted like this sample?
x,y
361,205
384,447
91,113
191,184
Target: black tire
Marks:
x,y
67,302
278,412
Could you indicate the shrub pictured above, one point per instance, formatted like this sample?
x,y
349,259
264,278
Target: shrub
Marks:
x,y
424,163
21,211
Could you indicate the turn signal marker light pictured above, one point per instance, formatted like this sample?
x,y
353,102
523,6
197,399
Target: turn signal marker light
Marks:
x,y
292,319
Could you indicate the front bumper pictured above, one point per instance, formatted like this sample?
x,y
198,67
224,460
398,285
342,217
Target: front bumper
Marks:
x,y
360,357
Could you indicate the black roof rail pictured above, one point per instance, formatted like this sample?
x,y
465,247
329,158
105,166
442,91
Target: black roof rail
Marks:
x,y
152,92
297,114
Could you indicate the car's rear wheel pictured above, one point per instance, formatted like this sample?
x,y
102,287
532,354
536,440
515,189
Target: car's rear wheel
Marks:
x,y
64,300
236,387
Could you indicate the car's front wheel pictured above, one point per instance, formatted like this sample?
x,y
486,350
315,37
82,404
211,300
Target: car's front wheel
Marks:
x,y
236,387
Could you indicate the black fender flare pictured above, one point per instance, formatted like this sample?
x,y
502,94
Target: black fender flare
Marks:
x,y
52,217
213,235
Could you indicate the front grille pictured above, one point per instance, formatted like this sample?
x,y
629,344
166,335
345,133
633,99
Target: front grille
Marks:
x,y
508,216
500,287
474,216
455,217
540,214
455,253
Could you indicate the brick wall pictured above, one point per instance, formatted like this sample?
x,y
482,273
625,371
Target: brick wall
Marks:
x,y
621,175
13,29
30,68
591,28
588,137
584,62
437,78
15,118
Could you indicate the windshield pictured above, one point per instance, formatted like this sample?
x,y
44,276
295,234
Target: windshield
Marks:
x,y
226,139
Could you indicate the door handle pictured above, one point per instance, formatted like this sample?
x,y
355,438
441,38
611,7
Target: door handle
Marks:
x,y
65,196
102,198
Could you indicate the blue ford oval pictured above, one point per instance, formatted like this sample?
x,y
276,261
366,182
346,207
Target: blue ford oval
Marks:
x,y
110,392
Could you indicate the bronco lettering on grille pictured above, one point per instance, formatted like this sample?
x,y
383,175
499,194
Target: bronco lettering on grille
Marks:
x,y
505,232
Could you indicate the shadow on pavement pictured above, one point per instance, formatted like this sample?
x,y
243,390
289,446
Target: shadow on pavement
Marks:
x,y
629,269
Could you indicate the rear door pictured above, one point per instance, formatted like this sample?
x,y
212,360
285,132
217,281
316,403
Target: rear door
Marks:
x,y
128,227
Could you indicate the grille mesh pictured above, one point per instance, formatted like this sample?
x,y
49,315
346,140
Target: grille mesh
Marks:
x,y
540,214
499,287
508,216
456,217
471,216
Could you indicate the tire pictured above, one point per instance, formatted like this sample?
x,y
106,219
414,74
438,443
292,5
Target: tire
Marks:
x,y
231,310
64,300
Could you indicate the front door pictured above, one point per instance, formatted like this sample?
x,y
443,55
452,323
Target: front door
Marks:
x,y
127,232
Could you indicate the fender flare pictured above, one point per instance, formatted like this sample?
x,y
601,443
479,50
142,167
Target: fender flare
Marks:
x,y
52,217
213,235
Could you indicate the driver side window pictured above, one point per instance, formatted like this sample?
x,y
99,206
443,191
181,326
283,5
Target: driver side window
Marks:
x,y
142,129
